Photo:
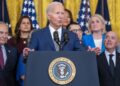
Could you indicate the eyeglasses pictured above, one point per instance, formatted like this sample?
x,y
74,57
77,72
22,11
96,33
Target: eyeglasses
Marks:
x,y
76,30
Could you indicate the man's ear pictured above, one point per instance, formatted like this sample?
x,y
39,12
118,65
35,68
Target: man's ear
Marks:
x,y
48,16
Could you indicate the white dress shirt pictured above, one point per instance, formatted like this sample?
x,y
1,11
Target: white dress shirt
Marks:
x,y
52,30
98,43
108,57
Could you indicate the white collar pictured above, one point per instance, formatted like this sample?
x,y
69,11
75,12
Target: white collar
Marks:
x,y
108,53
113,58
52,30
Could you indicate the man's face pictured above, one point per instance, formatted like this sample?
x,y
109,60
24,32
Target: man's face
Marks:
x,y
3,34
110,40
56,16
76,29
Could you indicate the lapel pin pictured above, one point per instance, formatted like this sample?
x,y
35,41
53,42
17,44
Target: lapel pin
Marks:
x,y
9,51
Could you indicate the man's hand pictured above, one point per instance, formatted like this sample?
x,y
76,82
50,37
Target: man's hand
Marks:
x,y
96,50
26,52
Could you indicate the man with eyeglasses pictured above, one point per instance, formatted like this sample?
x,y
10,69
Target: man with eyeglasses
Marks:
x,y
75,27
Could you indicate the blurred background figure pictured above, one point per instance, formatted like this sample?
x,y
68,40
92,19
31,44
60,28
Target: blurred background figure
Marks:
x,y
8,59
68,19
109,62
118,46
75,27
21,68
22,30
97,33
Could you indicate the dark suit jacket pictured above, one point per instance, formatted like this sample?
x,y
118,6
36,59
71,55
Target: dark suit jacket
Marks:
x,y
41,40
105,76
7,75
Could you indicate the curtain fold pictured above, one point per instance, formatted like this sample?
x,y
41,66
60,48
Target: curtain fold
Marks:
x,y
15,6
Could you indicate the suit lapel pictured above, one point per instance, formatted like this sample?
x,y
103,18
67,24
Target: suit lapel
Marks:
x,y
105,62
49,38
103,47
92,41
8,52
62,38
117,62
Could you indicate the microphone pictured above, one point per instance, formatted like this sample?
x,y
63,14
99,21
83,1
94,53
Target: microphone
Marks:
x,y
56,37
66,38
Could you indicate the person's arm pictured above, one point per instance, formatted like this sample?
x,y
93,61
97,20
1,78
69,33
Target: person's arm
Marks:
x,y
20,73
32,45
78,46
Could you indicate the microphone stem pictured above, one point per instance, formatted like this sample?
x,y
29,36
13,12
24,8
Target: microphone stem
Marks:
x,y
60,47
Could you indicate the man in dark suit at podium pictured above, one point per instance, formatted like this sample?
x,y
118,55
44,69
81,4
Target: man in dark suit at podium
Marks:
x,y
54,37
109,62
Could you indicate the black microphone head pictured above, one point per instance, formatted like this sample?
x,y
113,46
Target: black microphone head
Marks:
x,y
66,37
56,37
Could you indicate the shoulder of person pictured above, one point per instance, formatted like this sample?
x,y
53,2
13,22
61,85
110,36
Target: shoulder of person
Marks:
x,y
87,35
39,30
10,47
12,41
70,33
101,55
11,50
118,53
66,30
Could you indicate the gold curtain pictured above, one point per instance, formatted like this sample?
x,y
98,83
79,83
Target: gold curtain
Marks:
x,y
15,6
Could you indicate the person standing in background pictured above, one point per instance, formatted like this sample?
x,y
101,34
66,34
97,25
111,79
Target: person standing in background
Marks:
x,y
8,58
68,19
22,30
97,33
75,27
20,41
109,62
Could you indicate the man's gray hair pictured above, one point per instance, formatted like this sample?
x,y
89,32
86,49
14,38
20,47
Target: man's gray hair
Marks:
x,y
52,5
3,23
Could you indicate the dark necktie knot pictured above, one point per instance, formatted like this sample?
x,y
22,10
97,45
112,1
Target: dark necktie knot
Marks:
x,y
55,33
56,37
111,55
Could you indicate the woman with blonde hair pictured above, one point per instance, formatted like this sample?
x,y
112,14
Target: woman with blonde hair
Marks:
x,y
97,33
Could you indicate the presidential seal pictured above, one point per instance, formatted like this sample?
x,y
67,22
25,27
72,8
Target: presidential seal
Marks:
x,y
62,70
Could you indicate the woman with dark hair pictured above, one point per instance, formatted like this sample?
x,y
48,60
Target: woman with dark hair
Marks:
x,y
68,19
22,30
